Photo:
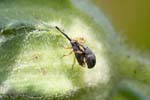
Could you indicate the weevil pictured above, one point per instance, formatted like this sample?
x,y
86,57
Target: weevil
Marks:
x,y
83,54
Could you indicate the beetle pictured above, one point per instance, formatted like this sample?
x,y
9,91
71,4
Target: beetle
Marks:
x,y
83,54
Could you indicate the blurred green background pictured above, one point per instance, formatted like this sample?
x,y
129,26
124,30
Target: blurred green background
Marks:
x,y
130,18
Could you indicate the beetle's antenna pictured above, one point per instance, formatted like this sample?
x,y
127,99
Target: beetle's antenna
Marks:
x,y
63,33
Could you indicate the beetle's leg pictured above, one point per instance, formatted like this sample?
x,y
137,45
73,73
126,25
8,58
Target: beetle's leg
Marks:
x,y
68,54
84,65
68,47
74,61
80,40
78,52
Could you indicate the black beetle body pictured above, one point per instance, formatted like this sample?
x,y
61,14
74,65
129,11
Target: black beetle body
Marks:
x,y
90,58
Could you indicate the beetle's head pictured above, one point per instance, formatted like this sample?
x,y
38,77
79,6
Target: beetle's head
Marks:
x,y
73,42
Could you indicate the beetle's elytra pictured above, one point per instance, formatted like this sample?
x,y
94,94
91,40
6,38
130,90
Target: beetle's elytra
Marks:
x,y
83,54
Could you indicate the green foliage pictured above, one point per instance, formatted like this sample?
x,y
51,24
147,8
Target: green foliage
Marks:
x,y
31,48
